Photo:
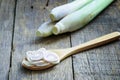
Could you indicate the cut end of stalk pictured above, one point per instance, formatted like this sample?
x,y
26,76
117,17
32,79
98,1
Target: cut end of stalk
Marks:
x,y
52,17
42,34
58,28
38,33
55,30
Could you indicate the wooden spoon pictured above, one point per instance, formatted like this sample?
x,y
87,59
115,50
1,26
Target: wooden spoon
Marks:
x,y
63,53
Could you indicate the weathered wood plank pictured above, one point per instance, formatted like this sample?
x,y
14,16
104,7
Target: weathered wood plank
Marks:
x,y
101,63
29,15
6,28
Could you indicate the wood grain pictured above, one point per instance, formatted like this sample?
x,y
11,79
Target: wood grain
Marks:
x,y
101,63
6,28
29,15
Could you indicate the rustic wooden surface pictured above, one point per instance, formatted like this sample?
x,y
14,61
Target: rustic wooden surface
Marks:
x,y
19,19
101,63
6,28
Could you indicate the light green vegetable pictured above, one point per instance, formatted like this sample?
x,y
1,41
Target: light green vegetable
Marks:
x,y
61,11
81,17
45,29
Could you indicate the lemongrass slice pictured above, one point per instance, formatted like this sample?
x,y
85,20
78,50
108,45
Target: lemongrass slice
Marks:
x,y
39,63
45,29
61,11
26,63
51,57
44,64
36,63
80,18
35,55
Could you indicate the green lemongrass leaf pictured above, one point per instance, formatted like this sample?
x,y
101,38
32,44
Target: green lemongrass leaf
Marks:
x,y
80,18
62,11
45,29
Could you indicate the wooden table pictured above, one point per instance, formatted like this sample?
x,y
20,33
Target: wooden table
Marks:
x,y
19,19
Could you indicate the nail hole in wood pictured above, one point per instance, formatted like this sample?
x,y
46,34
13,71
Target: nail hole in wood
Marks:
x,y
31,7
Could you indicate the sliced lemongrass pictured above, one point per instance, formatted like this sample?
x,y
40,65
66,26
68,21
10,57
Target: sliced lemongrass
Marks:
x,y
28,55
39,63
45,64
51,57
63,10
34,55
41,57
26,63
80,18
45,29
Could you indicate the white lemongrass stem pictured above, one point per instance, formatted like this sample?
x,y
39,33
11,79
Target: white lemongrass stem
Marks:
x,y
61,11
81,17
45,29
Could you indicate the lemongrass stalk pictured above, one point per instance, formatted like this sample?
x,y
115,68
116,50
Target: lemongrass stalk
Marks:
x,y
61,11
81,17
45,29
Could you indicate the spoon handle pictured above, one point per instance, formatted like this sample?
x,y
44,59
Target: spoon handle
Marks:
x,y
96,42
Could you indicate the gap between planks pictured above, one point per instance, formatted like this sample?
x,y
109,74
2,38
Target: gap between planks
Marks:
x,y
12,46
